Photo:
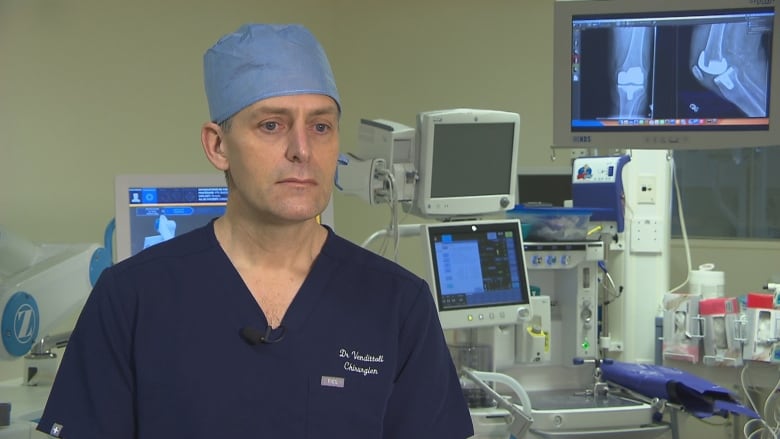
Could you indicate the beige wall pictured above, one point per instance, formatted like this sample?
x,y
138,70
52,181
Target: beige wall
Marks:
x,y
94,88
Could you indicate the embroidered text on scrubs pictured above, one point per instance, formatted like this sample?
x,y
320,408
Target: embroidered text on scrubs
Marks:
x,y
368,358
359,369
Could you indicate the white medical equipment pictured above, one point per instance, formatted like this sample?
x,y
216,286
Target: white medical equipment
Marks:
x,y
467,163
534,338
532,347
456,163
42,288
597,184
566,397
601,410
682,327
478,273
478,278
383,168
552,396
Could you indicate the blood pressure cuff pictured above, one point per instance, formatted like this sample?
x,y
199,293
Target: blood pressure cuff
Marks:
x,y
698,396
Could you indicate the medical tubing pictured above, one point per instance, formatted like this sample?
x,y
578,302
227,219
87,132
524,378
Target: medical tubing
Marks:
x,y
390,180
525,400
764,425
683,227
373,236
403,230
767,404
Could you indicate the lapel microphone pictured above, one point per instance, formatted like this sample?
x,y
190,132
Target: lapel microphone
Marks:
x,y
254,336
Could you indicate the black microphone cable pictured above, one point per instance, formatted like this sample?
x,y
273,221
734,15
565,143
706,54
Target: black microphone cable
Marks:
x,y
254,336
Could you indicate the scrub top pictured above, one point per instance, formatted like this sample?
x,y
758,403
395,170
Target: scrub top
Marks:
x,y
161,350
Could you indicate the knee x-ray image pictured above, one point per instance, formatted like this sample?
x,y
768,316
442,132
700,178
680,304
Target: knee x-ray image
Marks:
x,y
673,70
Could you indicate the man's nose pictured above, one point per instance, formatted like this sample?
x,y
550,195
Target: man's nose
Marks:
x,y
299,145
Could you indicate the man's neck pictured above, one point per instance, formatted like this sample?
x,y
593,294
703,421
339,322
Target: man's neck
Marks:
x,y
270,245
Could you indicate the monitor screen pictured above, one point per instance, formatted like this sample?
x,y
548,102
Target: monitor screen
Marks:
x,y
154,208
478,274
540,186
664,75
467,162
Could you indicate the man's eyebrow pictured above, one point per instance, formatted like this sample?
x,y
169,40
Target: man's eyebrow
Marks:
x,y
269,109
329,110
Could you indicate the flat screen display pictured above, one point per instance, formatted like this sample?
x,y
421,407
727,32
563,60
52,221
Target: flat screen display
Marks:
x,y
472,159
669,75
478,270
466,163
155,208
675,70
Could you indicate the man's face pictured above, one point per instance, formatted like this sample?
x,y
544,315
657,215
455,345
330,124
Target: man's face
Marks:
x,y
282,155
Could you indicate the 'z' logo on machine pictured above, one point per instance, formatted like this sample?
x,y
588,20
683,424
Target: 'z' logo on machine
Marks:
x,y
25,323
19,325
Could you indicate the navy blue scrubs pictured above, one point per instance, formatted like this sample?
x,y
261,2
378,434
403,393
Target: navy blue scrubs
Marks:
x,y
157,352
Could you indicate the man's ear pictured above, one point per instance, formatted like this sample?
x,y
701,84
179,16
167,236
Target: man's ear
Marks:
x,y
211,137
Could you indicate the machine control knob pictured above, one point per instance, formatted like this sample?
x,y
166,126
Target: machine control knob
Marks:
x,y
586,314
523,313
565,260
551,260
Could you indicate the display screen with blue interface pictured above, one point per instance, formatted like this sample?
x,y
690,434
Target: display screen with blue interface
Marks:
x,y
478,266
158,214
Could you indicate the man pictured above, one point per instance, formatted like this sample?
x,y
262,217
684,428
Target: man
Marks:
x,y
264,323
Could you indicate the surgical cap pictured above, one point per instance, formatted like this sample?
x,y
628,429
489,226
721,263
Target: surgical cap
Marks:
x,y
260,61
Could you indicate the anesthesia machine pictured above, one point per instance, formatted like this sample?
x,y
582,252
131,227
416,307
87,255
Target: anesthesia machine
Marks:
x,y
521,317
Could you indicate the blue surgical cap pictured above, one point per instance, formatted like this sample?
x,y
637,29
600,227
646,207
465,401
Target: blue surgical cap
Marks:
x,y
260,61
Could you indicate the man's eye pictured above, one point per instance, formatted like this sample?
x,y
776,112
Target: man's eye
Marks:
x,y
321,127
270,126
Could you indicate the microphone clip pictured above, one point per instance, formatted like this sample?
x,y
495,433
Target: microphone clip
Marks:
x,y
254,336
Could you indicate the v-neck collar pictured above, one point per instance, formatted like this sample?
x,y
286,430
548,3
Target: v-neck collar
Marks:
x,y
314,286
